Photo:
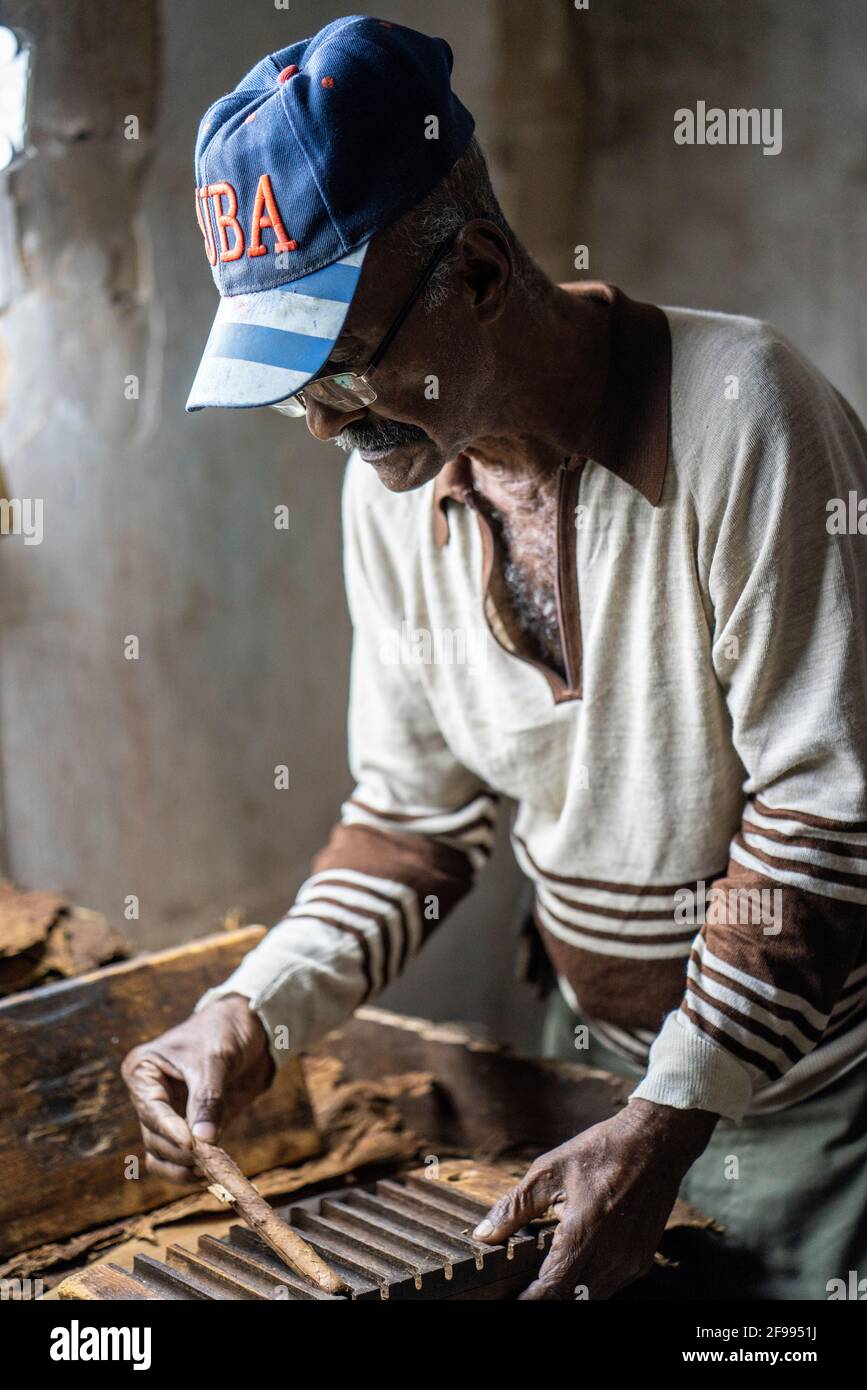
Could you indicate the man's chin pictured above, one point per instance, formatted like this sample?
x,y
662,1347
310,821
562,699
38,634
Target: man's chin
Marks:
x,y
405,467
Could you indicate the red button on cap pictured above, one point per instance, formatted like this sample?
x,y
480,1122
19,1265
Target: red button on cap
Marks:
x,y
287,72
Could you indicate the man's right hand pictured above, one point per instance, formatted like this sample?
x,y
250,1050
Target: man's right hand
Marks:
x,y
196,1078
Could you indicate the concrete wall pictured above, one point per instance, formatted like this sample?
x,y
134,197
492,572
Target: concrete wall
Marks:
x,y
155,777
780,237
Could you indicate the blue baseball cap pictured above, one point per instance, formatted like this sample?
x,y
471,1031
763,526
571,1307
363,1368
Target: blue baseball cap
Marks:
x,y
322,145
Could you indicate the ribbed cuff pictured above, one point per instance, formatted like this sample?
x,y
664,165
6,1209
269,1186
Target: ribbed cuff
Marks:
x,y
690,1072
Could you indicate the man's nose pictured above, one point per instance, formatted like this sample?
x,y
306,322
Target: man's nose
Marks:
x,y
325,423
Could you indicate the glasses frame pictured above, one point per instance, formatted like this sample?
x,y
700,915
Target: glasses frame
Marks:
x,y
376,359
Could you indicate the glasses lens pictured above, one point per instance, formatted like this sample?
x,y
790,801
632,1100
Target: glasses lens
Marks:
x,y
345,391
293,406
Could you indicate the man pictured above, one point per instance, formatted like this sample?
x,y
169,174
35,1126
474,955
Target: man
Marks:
x,y
628,513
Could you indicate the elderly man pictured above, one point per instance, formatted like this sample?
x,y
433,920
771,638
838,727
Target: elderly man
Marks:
x,y
630,516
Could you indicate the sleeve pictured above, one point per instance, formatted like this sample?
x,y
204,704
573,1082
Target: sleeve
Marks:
x,y
410,839
779,966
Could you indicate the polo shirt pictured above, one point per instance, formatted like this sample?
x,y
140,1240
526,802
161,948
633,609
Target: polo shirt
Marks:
x,y
690,801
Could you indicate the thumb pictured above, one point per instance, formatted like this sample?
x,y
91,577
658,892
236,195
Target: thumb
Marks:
x,y
526,1199
206,1102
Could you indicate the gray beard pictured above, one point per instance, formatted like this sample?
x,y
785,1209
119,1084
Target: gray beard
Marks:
x,y
535,608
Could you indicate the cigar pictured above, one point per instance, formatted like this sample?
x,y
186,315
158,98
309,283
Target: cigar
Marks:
x,y
228,1183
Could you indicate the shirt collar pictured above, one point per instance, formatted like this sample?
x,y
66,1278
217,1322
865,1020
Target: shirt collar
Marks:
x,y
629,432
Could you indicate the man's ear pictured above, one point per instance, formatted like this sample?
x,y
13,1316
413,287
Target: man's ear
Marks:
x,y
484,268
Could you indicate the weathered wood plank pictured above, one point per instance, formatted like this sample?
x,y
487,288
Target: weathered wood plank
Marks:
x,y
67,1128
105,1283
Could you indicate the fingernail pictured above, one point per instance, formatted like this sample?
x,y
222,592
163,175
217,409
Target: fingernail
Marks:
x,y
483,1230
202,1129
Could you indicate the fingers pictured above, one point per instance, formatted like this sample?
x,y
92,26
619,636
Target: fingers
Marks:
x,y
152,1082
560,1271
578,1267
206,1106
177,1084
170,1172
539,1292
527,1199
159,1148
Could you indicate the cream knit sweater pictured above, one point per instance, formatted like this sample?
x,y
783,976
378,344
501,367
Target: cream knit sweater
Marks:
x,y
692,801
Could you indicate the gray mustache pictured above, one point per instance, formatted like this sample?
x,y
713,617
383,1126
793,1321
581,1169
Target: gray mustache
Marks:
x,y
380,434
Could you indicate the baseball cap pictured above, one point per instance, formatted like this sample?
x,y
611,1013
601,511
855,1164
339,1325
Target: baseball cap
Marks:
x,y
322,145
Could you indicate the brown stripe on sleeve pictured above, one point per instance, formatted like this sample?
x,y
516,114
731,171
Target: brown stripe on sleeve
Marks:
x,y
780,1011
363,945
394,905
811,956
838,847
376,917
747,1021
842,827
798,866
425,865
732,1045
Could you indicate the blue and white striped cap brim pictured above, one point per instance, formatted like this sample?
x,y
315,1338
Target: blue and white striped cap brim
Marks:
x,y
264,347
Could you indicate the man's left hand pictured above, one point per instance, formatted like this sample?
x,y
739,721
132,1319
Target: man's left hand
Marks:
x,y
612,1189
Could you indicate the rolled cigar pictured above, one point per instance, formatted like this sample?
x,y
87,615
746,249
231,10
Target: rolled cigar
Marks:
x,y
222,1172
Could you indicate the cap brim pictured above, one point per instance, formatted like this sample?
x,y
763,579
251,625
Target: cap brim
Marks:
x,y
266,346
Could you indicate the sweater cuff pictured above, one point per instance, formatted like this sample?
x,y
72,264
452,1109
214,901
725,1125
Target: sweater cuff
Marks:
x,y
689,1072
303,979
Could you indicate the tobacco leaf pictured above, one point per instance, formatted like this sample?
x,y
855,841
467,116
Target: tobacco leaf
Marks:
x,y
26,917
80,940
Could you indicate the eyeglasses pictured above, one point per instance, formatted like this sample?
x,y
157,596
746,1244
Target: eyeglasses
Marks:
x,y
345,391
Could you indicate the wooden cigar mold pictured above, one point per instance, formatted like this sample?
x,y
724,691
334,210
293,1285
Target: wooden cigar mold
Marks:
x,y
405,1237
